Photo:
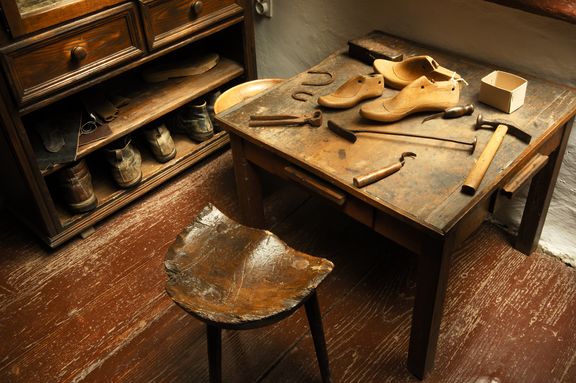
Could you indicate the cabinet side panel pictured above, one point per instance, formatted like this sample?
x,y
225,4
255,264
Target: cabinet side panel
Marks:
x,y
21,185
249,40
17,196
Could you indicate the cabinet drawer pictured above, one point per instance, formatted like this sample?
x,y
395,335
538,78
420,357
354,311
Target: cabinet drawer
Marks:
x,y
28,16
170,20
59,58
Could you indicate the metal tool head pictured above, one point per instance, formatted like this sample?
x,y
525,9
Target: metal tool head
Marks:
x,y
482,123
473,146
316,118
406,154
348,135
453,112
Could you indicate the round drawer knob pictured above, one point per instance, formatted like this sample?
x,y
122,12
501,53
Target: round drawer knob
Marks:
x,y
79,53
197,7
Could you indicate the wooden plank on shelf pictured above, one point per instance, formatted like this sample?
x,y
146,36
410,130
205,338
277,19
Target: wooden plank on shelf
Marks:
x,y
155,100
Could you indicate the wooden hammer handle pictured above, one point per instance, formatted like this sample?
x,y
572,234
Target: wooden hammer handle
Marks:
x,y
370,178
479,170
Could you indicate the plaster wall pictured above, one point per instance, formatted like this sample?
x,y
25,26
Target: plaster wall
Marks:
x,y
302,32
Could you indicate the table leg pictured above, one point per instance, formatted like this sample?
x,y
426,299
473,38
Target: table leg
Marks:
x,y
539,196
248,185
214,343
431,279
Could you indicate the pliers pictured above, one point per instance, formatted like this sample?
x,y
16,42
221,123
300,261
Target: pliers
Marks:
x,y
314,119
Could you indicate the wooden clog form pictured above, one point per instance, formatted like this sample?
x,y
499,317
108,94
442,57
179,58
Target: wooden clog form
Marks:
x,y
353,91
422,95
399,74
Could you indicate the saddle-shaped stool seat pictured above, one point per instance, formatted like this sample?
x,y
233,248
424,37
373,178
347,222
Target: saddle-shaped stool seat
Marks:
x,y
236,277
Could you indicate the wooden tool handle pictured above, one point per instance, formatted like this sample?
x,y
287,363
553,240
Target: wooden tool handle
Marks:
x,y
527,172
376,176
479,170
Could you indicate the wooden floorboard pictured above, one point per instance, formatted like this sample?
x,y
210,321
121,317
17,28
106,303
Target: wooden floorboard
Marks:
x,y
95,310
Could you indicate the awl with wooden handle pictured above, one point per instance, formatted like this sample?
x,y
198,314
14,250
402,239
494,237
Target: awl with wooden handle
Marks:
x,y
483,163
377,175
453,112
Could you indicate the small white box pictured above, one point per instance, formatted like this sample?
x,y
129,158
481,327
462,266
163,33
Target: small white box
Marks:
x,y
503,90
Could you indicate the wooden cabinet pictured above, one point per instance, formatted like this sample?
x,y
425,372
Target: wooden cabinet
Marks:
x,y
100,47
28,16
167,21
44,63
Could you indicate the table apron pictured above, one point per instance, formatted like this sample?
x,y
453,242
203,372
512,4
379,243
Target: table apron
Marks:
x,y
395,229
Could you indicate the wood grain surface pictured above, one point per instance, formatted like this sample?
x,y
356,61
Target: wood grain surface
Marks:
x,y
558,9
427,193
95,310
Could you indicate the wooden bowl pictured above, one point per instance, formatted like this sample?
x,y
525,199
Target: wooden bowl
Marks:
x,y
241,92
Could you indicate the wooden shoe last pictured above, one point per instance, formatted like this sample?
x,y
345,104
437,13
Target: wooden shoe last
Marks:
x,y
353,91
422,95
399,74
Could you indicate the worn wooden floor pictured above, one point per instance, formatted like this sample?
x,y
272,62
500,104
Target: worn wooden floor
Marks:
x,y
95,310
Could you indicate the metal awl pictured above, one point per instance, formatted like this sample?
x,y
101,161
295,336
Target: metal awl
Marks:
x,y
379,174
454,112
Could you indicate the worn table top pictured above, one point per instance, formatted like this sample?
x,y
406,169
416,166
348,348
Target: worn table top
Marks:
x,y
426,192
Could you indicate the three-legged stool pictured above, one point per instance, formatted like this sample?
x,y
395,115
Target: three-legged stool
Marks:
x,y
234,277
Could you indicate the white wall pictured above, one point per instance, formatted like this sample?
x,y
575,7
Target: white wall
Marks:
x,y
302,32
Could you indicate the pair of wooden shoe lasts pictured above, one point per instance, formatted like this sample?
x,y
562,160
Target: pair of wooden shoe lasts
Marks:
x,y
425,86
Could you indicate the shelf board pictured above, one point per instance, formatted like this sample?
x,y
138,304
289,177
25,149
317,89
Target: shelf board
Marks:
x,y
149,102
111,198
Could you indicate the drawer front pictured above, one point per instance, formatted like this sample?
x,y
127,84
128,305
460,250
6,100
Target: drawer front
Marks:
x,y
57,59
342,200
170,20
25,17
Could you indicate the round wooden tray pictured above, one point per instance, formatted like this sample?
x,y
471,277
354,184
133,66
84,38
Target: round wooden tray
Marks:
x,y
242,92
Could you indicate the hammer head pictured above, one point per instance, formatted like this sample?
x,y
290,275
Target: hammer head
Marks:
x,y
482,123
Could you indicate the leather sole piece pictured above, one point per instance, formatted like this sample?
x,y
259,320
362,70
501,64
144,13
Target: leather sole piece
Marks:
x,y
166,158
84,206
134,182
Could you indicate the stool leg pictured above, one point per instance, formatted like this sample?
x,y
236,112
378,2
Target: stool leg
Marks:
x,y
315,322
213,334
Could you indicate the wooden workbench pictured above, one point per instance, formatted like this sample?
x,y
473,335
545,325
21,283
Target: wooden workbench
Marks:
x,y
420,207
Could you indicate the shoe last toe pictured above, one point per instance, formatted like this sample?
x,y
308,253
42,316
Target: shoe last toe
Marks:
x,y
377,111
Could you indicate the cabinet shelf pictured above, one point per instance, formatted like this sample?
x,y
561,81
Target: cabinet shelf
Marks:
x,y
111,198
148,102
44,99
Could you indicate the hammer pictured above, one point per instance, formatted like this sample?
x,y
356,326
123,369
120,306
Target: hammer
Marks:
x,y
501,128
